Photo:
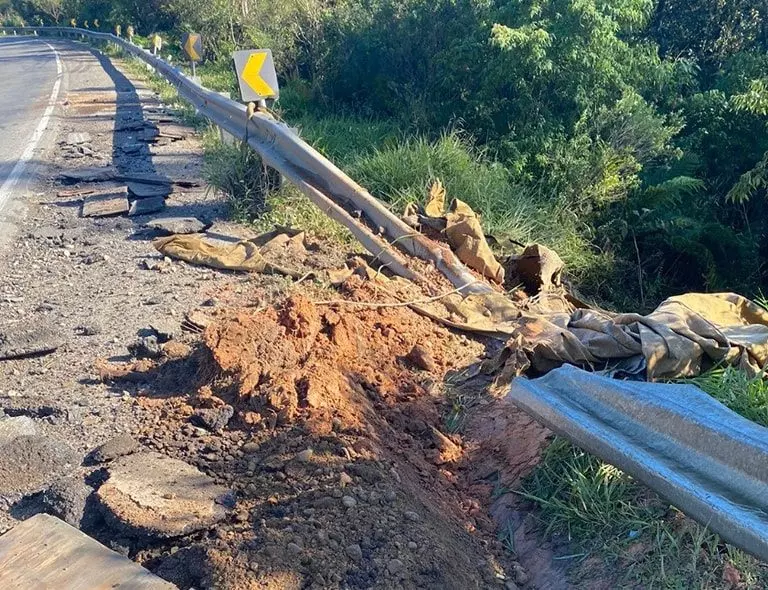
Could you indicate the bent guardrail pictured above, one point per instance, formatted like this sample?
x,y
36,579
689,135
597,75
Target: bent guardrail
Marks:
x,y
319,179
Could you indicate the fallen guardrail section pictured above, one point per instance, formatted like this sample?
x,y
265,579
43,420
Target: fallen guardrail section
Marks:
x,y
703,458
321,181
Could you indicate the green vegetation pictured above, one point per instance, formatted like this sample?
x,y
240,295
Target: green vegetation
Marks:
x,y
639,540
631,136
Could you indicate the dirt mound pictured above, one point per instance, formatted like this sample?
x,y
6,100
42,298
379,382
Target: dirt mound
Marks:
x,y
316,364
345,472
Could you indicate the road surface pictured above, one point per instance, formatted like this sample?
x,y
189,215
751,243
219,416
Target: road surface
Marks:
x,y
30,75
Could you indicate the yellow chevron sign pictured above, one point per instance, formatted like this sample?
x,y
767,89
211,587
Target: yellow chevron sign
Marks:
x,y
193,46
256,74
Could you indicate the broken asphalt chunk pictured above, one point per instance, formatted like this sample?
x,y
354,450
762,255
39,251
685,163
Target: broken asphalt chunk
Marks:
x,y
118,446
22,341
149,494
141,190
106,204
92,174
146,206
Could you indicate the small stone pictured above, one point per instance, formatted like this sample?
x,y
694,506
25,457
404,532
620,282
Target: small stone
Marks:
x,y
344,479
250,447
395,567
349,501
87,330
214,419
422,358
293,549
510,585
412,516
521,576
354,552
412,546
145,347
115,447
305,455
178,225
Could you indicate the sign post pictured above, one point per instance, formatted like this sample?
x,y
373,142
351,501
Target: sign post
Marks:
x,y
192,43
256,75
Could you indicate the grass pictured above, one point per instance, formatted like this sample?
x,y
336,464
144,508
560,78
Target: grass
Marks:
x,y
633,535
735,389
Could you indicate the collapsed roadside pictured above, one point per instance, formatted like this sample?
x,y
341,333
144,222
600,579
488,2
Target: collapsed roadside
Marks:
x,y
413,396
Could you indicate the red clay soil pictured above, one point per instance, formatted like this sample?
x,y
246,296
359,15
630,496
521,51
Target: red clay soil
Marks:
x,y
345,474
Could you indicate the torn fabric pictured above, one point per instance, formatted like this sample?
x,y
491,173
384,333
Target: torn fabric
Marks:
x,y
683,337
241,256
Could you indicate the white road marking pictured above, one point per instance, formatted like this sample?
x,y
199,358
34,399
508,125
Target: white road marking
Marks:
x,y
13,178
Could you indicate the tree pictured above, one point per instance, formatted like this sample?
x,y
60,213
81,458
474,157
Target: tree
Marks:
x,y
50,8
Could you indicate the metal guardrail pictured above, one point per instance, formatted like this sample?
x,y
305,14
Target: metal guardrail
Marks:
x,y
703,458
320,180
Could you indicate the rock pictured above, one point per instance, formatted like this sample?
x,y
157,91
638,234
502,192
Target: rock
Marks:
x,y
447,451
67,499
344,479
13,428
422,358
395,567
412,516
132,148
293,549
214,419
178,225
146,347
521,576
30,463
354,552
86,330
510,585
349,501
118,446
176,350
163,329
149,494
250,448
305,455
78,138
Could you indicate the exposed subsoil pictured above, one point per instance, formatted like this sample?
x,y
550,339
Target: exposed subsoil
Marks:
x,y
326,419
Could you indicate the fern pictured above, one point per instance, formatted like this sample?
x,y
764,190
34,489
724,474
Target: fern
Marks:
x,y
750,182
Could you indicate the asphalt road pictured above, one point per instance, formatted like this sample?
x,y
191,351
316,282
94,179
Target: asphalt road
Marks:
x,y
29,85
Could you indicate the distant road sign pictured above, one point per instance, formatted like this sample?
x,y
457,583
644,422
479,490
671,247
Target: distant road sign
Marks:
x,y
256,74
193,46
